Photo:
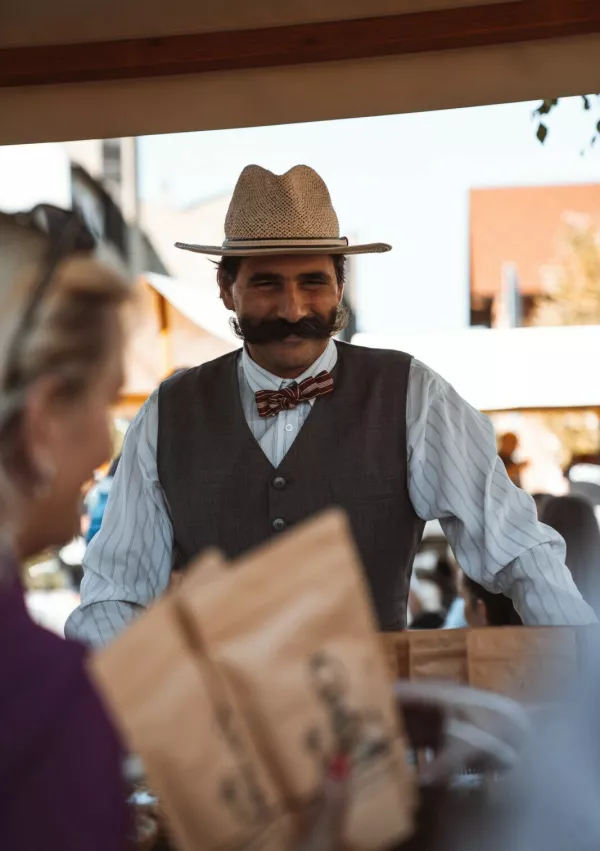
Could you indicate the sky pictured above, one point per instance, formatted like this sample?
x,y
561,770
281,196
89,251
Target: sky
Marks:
x,y
402,179
31,173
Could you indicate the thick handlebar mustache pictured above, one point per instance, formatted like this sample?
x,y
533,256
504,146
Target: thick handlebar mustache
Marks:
x,y
275,330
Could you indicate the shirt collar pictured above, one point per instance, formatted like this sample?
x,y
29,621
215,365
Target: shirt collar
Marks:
x,y
259,378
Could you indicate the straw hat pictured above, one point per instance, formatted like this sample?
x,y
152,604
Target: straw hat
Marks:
x,y
287,213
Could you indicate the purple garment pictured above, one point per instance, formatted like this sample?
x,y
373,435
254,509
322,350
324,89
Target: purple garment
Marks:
x,y
61,785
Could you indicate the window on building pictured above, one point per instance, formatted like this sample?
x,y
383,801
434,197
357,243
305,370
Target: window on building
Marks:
x,y
111,166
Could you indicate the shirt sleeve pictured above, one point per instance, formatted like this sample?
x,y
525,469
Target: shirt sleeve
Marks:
x,y
128,563
456,477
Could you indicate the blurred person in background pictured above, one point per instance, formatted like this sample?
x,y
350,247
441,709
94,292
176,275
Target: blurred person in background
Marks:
x,y
455,619
96,499
574,518
444,577
508,446
428,620
455,614
441,580
482,608
60,370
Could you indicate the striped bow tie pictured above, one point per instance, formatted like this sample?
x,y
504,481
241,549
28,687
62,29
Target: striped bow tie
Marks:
x,y
271,402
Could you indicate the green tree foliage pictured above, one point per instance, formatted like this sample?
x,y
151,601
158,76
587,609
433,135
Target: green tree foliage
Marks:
x,y
590,103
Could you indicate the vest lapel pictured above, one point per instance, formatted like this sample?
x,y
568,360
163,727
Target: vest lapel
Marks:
x,y
232,399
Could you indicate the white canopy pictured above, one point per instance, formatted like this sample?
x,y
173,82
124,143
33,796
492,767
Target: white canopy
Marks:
x,y
512,369
199,303
418,77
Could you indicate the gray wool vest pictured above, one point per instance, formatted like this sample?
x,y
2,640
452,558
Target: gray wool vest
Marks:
x,y
351,451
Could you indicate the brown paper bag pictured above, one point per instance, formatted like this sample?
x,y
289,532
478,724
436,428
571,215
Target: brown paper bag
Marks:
x,y
438,655
211,564
291,629
529,664
181,719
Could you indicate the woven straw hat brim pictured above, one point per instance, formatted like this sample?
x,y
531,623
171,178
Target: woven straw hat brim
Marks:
x,y
220,251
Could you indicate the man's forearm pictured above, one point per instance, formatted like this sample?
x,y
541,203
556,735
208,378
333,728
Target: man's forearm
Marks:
x,y
542,590
98,623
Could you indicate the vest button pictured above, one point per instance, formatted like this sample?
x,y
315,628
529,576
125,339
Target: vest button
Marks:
x,y
279,483
278,524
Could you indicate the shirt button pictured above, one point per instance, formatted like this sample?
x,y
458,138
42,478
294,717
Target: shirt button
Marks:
x,y
278,524
279,483
289,427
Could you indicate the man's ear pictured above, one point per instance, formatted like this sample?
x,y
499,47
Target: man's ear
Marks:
x,y
225,290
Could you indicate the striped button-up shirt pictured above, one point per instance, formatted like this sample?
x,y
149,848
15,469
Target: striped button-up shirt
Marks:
x,y
454,476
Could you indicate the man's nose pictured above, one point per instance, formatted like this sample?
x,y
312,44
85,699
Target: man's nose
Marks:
x,y
291,304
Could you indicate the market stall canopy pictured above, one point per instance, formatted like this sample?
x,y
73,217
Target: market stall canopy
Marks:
x,y
200,304
511,369
175,325
111,69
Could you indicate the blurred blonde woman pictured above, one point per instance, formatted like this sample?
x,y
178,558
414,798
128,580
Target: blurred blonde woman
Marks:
x,y
61,341
61,345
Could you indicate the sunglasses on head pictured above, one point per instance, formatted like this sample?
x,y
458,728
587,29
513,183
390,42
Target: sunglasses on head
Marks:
x,y
67,233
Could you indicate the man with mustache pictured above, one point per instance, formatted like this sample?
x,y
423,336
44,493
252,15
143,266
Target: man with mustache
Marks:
x,y
235,451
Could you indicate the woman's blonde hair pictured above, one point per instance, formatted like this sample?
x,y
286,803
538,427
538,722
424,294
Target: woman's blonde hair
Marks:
x,y
70,335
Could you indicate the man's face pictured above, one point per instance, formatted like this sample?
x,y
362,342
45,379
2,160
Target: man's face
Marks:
x,y
286,308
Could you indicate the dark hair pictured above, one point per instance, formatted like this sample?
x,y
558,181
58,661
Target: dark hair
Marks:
x,y
428,620
228,268
443,577
444,580
573,517
499,609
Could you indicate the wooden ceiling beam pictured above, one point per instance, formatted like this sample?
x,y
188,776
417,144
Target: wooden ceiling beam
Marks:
x,y
445,29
